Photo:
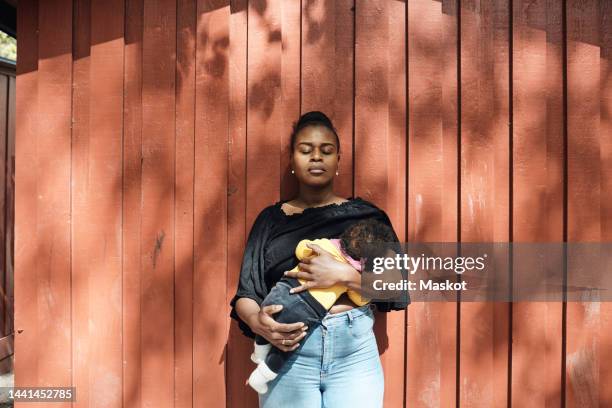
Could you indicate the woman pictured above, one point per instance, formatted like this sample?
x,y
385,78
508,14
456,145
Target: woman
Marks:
x,y
335,364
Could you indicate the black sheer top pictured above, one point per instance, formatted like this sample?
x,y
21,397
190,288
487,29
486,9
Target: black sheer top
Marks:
x,y
270,248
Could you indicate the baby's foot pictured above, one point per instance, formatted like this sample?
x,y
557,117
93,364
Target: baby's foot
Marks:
x,y
260,352
260,377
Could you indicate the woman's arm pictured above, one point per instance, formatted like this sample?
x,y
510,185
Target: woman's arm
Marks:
x,y
251,292
323,271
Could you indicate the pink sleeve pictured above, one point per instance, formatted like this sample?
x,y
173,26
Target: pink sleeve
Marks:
x,y
354,263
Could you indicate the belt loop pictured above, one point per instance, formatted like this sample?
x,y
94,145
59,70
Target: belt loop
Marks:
x,y
350,316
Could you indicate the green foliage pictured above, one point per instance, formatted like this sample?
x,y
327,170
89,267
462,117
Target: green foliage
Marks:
x,y
8,46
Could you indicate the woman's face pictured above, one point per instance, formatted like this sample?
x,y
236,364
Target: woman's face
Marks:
x,y
315,156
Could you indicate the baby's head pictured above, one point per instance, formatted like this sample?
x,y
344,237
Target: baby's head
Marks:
x,y
356,238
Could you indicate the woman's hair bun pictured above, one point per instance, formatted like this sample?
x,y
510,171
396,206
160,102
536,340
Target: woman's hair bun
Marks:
x,y
313,118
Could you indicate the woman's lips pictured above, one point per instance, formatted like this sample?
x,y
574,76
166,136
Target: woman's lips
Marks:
x,y
316,171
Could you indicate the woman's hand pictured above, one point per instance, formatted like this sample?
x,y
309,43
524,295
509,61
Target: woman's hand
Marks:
x,y
321,270
284,336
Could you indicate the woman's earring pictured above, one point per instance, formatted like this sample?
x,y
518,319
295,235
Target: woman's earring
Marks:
x,y
337,173
292,171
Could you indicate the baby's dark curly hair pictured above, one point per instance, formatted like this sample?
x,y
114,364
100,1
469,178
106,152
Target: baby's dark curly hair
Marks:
x,y
356,238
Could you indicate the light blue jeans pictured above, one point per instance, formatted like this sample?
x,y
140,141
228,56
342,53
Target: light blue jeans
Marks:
x,y
336,365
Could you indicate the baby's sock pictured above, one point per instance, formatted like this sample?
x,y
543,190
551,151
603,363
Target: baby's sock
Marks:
x,y
260,377
260,352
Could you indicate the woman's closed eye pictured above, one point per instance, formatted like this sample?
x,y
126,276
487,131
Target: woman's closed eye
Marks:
x,y
328,149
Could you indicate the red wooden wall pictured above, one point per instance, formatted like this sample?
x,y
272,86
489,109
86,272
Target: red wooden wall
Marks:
x,y
151,133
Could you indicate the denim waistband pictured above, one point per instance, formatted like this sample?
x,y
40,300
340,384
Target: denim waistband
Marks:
x,y
348,315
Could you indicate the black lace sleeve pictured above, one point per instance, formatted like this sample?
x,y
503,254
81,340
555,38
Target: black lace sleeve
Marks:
x,y
403,300
251,283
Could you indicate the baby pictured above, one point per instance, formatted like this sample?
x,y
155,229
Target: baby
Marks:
x,y
312,305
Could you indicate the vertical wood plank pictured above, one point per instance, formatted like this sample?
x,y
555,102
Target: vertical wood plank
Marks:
x,y
52,167
451,185
290,13
132,199
105,198
82,238
396,194
158,202
584,211
264,113
327,74
26,208
37,261
239,347
605,18
10,209
210,200
537,97
484,335
371,100
102,195
4,88
183,213
377,141
264,121
432,207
